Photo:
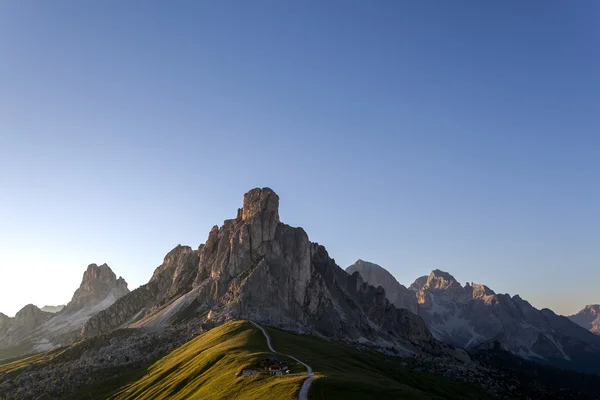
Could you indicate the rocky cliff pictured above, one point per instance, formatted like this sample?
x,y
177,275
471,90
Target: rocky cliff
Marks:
x,y
375,275
589,318
255,267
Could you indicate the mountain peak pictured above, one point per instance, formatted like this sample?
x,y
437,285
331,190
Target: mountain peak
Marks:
x,y
593,309
438,279
97,283
376,275
258,202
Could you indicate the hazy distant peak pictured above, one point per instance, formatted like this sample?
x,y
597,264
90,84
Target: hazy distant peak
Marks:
x,y
376,275
53,309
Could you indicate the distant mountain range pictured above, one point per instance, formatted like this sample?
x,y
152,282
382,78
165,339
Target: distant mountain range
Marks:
x,y
474,316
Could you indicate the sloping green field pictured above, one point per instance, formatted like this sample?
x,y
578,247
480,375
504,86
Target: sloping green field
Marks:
x,y
209,366
348,373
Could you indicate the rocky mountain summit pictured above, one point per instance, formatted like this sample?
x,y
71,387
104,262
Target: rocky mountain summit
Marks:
x,y
473,316
589,318
256,267
34,330
375,275
99,284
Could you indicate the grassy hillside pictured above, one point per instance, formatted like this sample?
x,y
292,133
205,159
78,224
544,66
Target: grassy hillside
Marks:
x,y
348,373
209,366
14,364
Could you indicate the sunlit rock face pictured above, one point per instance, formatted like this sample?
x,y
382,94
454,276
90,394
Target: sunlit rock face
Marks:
x,y
256,267
588,318
375,275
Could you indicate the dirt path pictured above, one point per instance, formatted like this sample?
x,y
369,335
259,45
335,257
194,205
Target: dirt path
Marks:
x,y
303,394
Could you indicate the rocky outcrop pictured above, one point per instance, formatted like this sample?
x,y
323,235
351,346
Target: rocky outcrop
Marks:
x,y
375,275
173,278
472,315
589,318
255,267
98,284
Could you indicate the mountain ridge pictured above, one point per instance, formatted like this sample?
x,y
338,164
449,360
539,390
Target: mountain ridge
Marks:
x,y
472,315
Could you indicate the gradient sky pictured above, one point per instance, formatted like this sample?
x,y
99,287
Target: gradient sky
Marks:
x,y
459,135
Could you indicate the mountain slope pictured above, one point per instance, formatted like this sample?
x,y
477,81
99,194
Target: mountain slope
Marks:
x,y
375,275
255,267
209,367
35,330
589,318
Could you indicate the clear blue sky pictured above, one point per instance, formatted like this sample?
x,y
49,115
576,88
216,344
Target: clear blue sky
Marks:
x,y
459,135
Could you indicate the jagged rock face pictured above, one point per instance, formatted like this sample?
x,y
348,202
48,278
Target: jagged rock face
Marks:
x,y
472,315
98,283
27,319
589,318
375,275
173,278
255,267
